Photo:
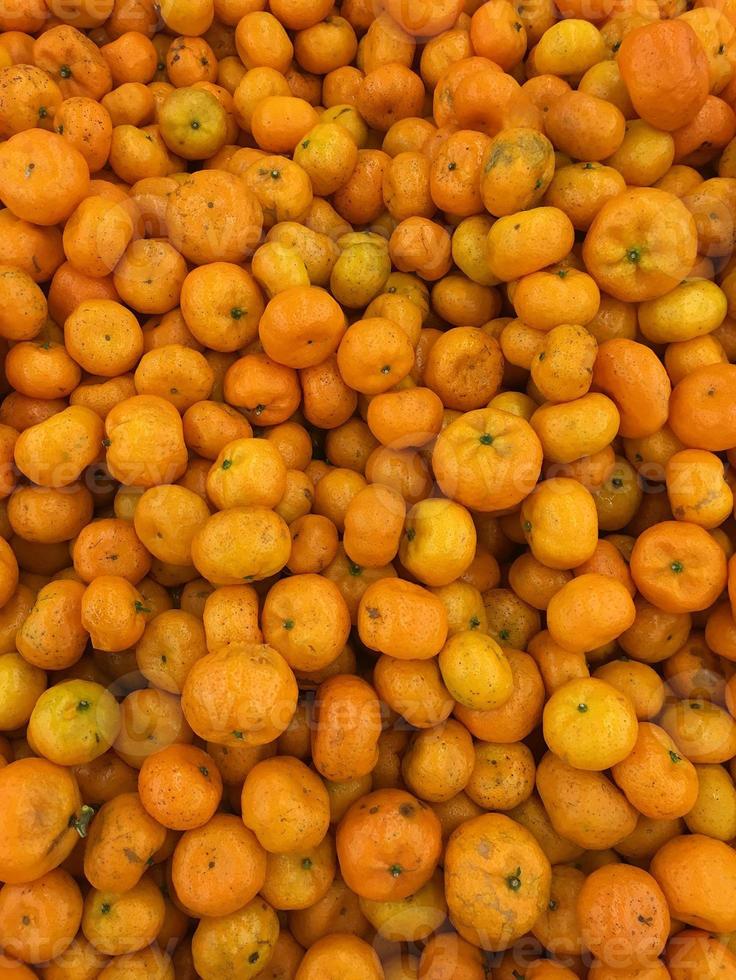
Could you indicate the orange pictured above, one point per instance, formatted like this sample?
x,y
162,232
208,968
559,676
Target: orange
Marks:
x,y
407,418
694,951
656,779
341,750
582,806
640,244
374,355
75,61
464,368
123,923
335,956
180,786
31,784
517,878
42,177
581,189
144,441
678,567
527,241
319,318
623,915
497,33
584,126
681,866
700,414
233,227
28,98
388,93
654,55
454,175
643,398
388,845
519,714
306,619
426,18
222,710
388,606
590,611
266,787
41,918
487,459
123,825
86,125
589,724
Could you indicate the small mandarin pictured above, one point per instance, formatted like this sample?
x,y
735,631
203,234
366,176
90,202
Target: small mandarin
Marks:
x,y
367,433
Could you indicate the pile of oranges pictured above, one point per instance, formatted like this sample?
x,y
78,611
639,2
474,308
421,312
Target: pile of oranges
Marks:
x,y
367,447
